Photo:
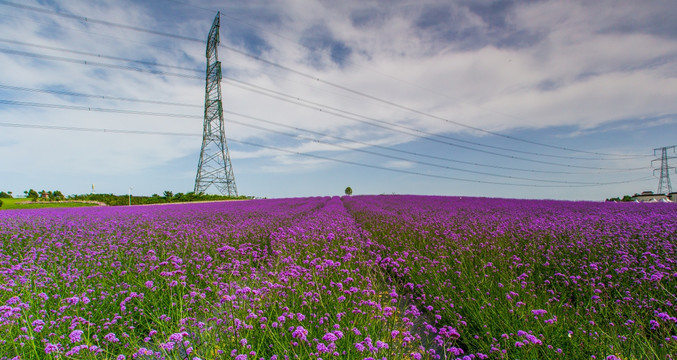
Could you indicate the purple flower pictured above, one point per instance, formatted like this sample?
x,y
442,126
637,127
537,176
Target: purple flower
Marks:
x,y
38,325
177,337
329,337
169,346
110,337
300,333
539,312
76,336
449,332
50,348
456,351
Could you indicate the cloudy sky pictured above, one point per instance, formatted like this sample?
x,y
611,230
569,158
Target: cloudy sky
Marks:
x,y
520,99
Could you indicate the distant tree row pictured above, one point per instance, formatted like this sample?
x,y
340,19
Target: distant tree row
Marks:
x,y
43,195
618,199
167,197
114,200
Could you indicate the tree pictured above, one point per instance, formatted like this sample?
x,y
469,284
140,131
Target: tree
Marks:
x,y
349,191
31,194
57,195
5,195
168,194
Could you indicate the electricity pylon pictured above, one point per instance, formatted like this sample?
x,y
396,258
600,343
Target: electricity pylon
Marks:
x,y
664,186
214,167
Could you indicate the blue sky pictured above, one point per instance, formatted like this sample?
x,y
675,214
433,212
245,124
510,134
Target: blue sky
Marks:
x,y
594,81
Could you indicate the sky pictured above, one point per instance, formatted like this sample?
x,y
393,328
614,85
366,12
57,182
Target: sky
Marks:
x,y
512,99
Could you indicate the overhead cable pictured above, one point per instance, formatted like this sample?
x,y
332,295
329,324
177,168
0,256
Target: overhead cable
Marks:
x,y
64,128
303,74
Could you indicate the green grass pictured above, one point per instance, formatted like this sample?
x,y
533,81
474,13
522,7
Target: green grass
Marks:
x,y
22,203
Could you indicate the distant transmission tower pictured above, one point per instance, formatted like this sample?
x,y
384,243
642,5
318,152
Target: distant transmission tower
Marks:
x,y
214,167
664,186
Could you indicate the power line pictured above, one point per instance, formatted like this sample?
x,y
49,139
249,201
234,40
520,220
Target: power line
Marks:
x,y
416,153
113,131
403,107
312,105
65,128
96,21
135,112
149,63
370,68
300,73
336,112
94,63
97,109
427,138
103,97
295,99
186,116
617,156
414,161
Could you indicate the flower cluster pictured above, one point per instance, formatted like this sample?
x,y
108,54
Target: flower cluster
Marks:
x,y
363,277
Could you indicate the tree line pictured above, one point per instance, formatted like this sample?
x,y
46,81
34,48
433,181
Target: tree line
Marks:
x,y
117,200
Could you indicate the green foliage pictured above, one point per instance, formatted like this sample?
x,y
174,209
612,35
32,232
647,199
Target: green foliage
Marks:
x,y
31,194
349,190
618,199
5,195
21,203
0,203
168,197
56,195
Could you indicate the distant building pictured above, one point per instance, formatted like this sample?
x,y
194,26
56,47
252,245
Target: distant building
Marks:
x,y
649,196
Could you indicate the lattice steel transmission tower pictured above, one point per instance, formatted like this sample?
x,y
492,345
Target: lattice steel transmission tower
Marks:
x,y
214,167
664,186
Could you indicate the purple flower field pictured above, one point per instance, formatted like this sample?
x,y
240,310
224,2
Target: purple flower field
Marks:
x,y
364,277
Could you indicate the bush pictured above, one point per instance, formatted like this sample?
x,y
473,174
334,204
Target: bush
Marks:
x,y
0,203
